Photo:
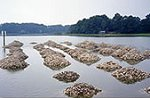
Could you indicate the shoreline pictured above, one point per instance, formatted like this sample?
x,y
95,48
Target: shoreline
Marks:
x,y
87,35
111,35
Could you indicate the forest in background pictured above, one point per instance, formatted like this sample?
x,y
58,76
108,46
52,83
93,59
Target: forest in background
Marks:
x,y
98,24
118,24
33,29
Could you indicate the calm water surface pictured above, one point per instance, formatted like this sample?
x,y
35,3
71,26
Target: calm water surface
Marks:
x,y
36,80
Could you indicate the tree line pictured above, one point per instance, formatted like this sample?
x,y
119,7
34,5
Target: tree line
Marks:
x,y
94,25
118,24
32,28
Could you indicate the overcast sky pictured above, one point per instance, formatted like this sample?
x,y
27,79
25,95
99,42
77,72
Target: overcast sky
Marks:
x,y
51,12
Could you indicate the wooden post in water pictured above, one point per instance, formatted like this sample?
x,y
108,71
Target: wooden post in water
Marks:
x,y
5,38
3,35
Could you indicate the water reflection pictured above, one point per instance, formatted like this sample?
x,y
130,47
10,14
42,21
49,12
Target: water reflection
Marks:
x,y
130,62
56,67
3,52
15,71
22,83
133,62
129,82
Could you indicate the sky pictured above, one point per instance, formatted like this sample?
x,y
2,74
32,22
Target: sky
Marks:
x,y
66,12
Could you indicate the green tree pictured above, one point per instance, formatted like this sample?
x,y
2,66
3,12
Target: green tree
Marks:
x,y
145,24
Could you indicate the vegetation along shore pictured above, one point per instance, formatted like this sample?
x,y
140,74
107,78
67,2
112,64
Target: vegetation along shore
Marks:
x,y
111,35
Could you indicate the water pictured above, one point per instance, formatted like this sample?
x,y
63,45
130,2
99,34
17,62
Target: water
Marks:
x,y
36,80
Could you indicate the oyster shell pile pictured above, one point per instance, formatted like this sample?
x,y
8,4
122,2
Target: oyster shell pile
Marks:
x,y
15,43
133,55
87,45
109,66
78,54
16,57
56,62
52,59
106,51
81,90
146,53
67,76
39,47
130,75
67,43
147,90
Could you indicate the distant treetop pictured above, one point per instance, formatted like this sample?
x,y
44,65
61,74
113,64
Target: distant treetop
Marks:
x,y
118,24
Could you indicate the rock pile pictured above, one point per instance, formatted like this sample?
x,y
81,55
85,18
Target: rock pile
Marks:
x,y
87,45
88,58
105,45
39,47
14,49
111,50
55,45
109,66
19,55
56,62
133,55
79,54
46,52
67,43
105,51
147,90
83,56
81,90
74,53
12,63
14,44
52,59
146,53
130,75
16,58
67,76
116,47
119,53
51,44
128,54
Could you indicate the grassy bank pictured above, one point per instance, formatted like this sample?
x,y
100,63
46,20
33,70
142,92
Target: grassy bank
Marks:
x,y
110,35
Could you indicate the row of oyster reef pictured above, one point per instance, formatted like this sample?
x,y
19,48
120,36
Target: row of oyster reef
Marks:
x,y
84,53
56,61
15,59
129,54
